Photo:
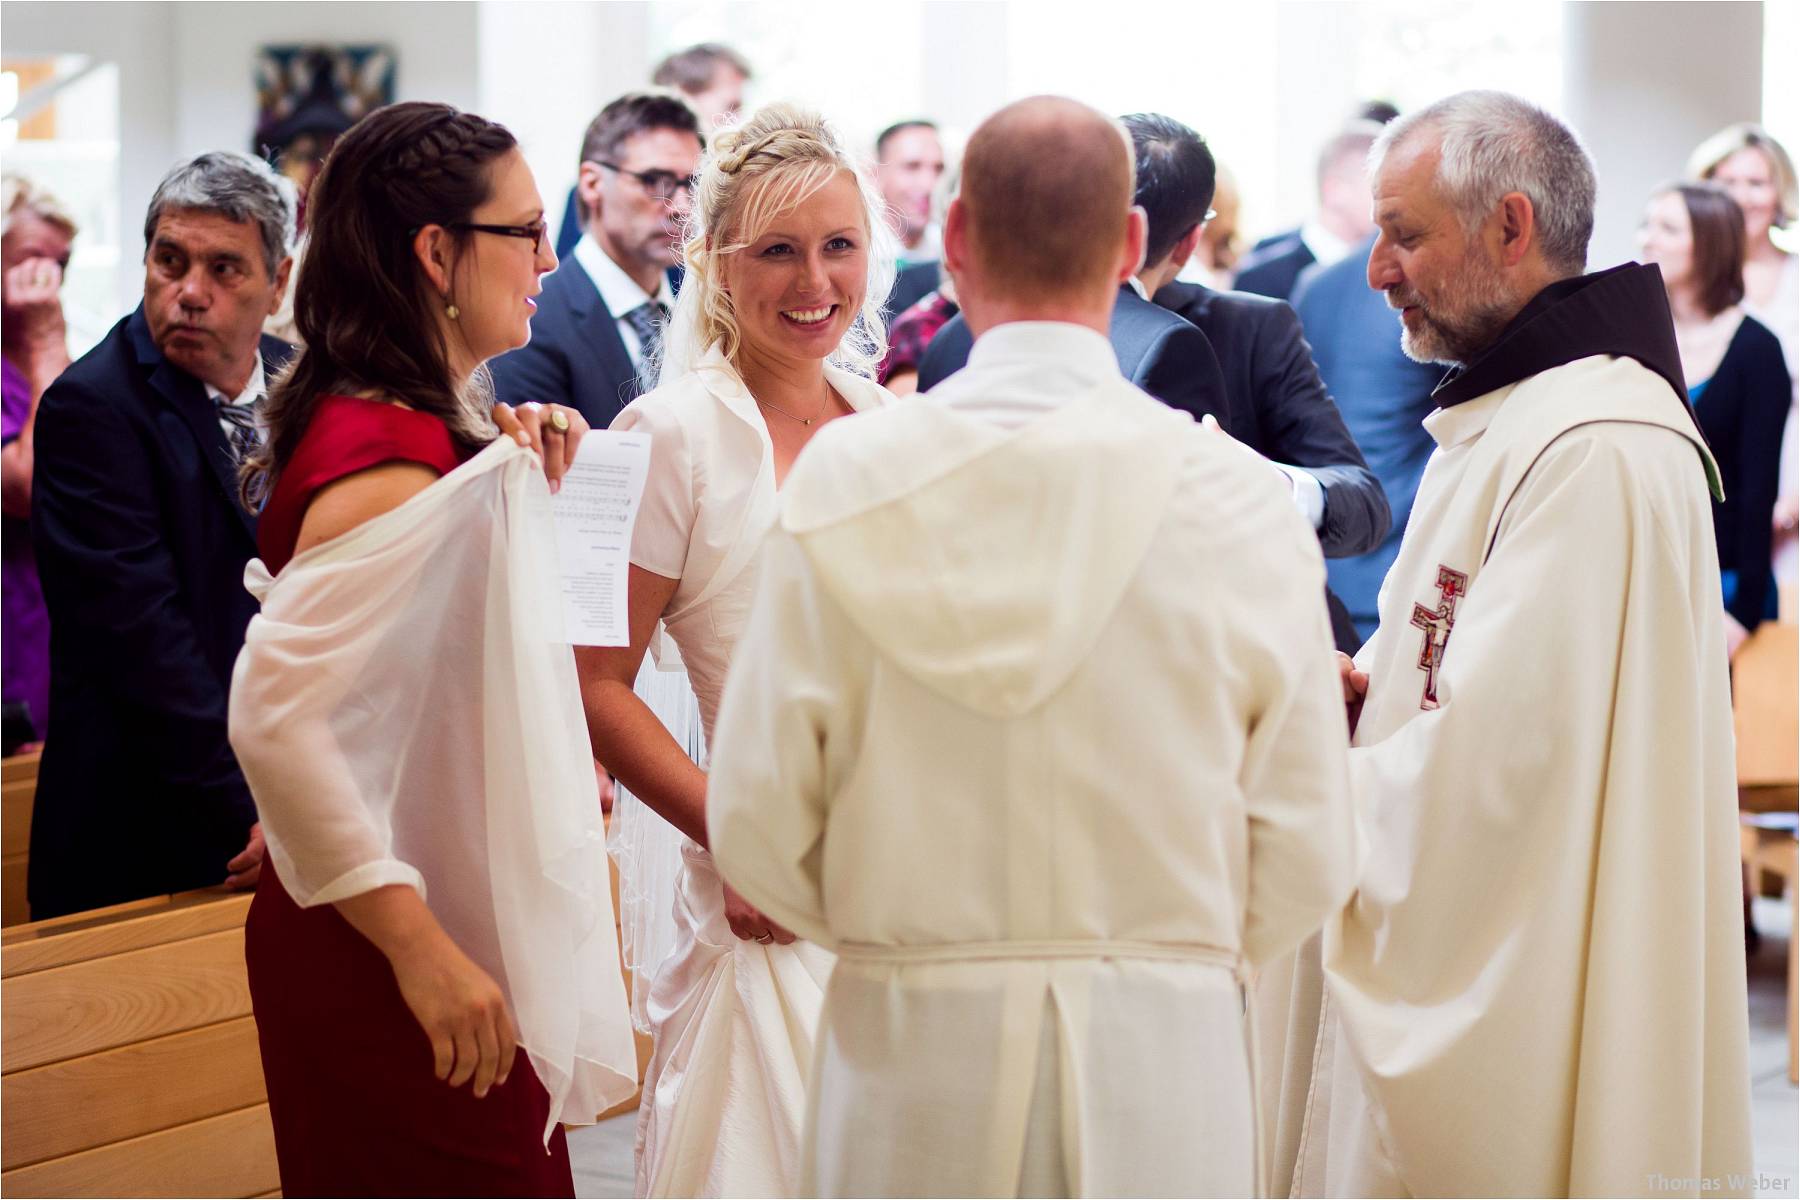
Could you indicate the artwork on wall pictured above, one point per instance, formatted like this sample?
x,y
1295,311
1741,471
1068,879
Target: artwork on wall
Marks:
x,y
309,94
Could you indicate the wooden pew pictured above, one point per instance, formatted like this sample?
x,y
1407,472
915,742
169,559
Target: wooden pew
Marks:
x,y
1765,687
18,787
130,1064
1765,701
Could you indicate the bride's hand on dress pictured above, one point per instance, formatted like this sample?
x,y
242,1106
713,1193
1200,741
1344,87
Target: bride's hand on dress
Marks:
x,y
749,923
462,1011
536,427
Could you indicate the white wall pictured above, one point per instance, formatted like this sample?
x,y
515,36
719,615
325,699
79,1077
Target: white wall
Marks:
x,y
1644,84
140,38
215,46
1642,81
545,68
185,82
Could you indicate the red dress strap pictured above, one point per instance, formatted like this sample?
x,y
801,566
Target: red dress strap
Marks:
x,y
347,434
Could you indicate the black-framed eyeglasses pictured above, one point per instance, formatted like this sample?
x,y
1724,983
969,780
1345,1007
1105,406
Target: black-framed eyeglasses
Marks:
x,y
664,185
535,231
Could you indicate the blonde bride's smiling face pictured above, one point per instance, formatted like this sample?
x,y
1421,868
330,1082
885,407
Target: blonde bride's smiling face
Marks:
x,y
797,287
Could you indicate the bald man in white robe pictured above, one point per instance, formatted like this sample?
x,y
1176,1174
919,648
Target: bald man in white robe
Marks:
x,y
1035,724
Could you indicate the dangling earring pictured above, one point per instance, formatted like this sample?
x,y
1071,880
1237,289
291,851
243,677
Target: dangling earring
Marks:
x,y
451,311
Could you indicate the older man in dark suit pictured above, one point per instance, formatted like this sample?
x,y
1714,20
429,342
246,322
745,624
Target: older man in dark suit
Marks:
x,y
598,330
141,544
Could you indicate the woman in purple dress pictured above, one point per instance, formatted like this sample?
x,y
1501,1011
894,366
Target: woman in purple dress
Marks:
x,y
34,249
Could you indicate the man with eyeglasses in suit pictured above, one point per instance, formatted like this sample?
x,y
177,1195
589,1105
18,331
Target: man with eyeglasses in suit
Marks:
x,y
598,329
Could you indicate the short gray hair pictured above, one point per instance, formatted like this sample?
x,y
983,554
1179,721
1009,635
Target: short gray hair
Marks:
x,y
235,185
1492,143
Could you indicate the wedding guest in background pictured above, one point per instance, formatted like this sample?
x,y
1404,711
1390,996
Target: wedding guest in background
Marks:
x,y
1736,378
909,162
711,77
141,544
1339,221
1221,244
913,328
35,235
1759,174
598,329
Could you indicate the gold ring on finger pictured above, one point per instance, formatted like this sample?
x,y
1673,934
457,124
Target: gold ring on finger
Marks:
x,y
558,421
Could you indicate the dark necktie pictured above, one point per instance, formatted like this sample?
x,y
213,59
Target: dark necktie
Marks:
x,y
647,321
239,421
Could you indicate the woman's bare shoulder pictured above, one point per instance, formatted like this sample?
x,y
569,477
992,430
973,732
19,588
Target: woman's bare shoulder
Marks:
x,y
345,503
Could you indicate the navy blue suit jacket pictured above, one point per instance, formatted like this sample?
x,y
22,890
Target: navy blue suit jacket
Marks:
x,y
576,355
1280,408
911,285
1383,397
1273,268
141,544
1157,350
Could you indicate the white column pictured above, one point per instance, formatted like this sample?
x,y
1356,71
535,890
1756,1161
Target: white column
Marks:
x,y
1315,66
1643,84
546,68
963,61
140,38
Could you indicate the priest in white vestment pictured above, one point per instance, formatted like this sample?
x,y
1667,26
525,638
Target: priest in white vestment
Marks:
x,y
1538,988
1035,723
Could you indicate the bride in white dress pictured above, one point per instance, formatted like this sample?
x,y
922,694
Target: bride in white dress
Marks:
x,y
776,331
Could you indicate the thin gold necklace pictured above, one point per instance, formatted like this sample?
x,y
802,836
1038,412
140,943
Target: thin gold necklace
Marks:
x,y
803,420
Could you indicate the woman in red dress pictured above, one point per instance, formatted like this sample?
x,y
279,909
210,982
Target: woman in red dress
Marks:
x,y
391,1056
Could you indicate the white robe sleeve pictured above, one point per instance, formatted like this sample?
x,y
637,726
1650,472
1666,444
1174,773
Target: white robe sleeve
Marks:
x,y
765,800
1294,776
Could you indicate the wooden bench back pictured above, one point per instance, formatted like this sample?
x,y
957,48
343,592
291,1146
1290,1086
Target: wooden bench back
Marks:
x,y
129,1064
18,788
1765,685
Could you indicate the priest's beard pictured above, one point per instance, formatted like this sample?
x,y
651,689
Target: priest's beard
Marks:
x,y
1471,309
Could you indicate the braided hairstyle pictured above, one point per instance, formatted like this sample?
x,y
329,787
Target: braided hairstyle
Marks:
x,y
367,314
773,161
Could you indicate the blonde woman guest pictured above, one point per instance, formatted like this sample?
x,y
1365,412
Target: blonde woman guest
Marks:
x,y
1759,174
777,332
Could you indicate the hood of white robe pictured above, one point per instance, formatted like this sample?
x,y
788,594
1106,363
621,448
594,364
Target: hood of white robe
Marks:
x,y
983,561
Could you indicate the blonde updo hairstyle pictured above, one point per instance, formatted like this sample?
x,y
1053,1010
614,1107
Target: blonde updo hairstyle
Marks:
x,y
776,159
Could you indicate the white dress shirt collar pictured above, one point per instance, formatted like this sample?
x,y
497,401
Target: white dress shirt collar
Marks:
x,y
257,386
620,291
1326,246
1059,361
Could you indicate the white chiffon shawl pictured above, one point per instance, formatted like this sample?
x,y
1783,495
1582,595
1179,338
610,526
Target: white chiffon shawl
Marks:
x,y
406,712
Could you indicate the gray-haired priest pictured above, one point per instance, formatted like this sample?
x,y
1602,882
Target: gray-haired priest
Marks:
x,y
1538,988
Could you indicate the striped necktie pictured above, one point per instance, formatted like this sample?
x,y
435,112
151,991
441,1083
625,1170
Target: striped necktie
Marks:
x,y
239,423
